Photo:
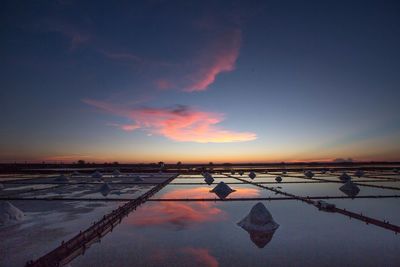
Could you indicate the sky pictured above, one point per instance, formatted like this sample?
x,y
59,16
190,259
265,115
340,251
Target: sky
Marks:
x,y
199,81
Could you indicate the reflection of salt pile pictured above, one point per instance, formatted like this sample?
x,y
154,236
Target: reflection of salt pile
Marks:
x,y
309,174
259,224
75,173
359,173
252,175
97,175
345,177
9,213
105,189
278,179
350,189
241,173
222,190
208,178
116,173
61,178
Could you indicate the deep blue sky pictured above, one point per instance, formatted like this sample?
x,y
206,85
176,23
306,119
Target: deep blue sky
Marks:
x,y
199,80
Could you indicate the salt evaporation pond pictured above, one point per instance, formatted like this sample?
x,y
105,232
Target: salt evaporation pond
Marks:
x,y
203,233
207,234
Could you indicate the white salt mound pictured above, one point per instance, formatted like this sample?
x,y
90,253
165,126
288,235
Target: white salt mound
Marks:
x,y
359,173
208,179
138,179
345,177
9,213
97,175
105,189
222,190
116,173
62,178
252,175
350,189
309,174
259,219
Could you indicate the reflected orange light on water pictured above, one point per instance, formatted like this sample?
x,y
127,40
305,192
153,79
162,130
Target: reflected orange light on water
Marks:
x,y
183,214
194,255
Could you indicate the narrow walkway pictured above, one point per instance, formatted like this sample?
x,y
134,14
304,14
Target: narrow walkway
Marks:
x,y
308,200
77,245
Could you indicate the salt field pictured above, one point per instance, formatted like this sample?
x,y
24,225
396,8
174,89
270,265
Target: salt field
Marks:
x,y
184,219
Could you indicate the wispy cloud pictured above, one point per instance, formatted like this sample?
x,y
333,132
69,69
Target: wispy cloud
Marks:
x,y
219,57
180,123
134,58
76,35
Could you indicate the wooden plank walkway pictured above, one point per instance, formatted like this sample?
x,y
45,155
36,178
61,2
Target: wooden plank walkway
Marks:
x,y
361,217
77,245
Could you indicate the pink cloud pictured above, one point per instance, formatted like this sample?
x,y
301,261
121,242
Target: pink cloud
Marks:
x,y
182,123
220,57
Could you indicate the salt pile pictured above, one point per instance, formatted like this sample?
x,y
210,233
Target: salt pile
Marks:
x,y
9,213
252,175
1,186
309,174
233,172
284,172
345,177
61,178
97,175
105,189
222,190
208,178
116,173
241,173
278,179
75,173
138,179
259,224
359,173
350,189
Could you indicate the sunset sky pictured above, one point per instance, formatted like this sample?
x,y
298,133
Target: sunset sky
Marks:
x,y
199,81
